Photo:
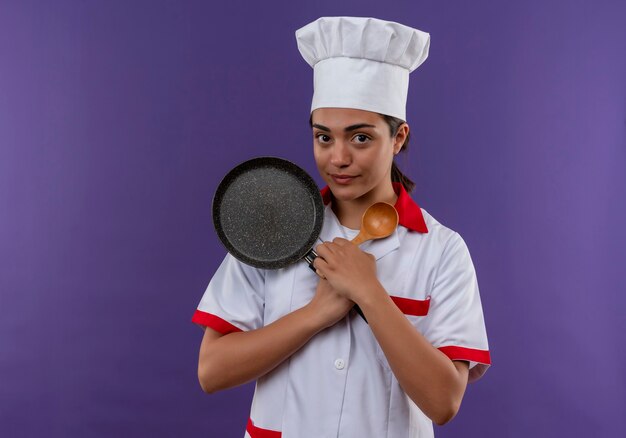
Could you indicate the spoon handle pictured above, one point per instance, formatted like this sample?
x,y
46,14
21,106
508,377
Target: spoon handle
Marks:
x,y
360,238
360,312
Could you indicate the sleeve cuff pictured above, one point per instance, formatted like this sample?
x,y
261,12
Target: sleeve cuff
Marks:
x,y
480,360
214,322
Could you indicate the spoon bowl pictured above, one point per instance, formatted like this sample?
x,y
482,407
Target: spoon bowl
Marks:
x,y
378,221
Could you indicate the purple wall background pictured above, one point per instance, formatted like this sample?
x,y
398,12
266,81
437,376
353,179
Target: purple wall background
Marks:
x,y
118,119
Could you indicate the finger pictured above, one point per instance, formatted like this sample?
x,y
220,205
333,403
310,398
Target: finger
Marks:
x,y
322,267
320,273
369,255
319,260
341,241
321,250
325,249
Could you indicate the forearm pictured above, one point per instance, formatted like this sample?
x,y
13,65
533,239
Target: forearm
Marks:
x,y
428,377
240,357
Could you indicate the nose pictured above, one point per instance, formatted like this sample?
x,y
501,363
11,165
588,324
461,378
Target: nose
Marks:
x,y
340,156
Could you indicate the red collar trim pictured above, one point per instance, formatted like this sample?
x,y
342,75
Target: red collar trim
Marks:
x,y
409,212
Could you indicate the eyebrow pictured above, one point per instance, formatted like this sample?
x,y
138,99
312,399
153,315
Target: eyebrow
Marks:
x,y
346,129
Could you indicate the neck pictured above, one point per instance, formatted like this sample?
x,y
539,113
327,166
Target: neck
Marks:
x,y
350,212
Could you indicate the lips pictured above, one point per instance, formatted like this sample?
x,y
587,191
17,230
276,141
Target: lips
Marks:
x,y
342,179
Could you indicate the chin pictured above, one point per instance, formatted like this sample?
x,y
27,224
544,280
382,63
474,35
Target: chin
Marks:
x,y
345,193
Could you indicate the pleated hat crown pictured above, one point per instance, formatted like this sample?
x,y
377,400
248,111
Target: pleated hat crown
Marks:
x,y
362,63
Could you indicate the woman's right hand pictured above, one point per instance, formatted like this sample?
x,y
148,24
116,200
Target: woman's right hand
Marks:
x,y
328,305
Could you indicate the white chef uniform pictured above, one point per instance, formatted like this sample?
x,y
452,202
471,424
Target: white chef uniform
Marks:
x,y
340,384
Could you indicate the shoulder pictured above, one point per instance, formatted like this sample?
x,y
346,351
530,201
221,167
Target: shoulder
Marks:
x,y
439,235
427,252
233,267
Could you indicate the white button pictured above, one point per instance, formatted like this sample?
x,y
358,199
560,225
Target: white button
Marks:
x,y
340,364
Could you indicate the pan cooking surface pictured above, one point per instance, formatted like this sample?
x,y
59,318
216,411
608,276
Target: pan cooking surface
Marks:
x,y
268,213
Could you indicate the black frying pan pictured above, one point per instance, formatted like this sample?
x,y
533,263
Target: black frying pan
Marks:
x,y
268,213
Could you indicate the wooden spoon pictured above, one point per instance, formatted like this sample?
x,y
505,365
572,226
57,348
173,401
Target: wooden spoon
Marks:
x,y
378,221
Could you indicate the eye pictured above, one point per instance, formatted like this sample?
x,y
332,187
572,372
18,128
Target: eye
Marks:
x,y
361,138
322,138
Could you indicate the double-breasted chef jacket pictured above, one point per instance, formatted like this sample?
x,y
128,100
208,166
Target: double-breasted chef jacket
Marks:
x,y
340,384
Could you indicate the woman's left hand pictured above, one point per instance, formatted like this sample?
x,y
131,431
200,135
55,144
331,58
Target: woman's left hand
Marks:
x,y
350,271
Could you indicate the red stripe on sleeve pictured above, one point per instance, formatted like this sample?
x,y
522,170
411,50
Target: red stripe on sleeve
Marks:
x,y
412,307
214,322
257,432
462,353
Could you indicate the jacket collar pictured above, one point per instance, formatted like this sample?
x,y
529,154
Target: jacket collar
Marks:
x,y
378,248
409,212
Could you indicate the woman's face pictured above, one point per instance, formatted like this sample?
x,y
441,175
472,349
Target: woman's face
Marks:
x,y
354,150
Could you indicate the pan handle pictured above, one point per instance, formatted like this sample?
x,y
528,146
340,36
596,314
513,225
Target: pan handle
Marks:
x,y
310,257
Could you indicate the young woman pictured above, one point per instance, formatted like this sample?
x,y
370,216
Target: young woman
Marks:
x,y
321,370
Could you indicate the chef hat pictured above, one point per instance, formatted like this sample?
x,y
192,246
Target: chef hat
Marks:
x,y
362,63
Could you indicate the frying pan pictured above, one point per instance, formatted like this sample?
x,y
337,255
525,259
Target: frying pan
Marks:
x,y
268,213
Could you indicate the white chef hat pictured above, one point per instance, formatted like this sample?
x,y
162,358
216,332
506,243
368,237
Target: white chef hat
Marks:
x,y
362,63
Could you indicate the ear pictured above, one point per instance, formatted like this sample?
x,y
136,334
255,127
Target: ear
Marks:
x,y
401,135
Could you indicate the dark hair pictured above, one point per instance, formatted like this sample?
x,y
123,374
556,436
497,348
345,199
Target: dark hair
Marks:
x,y
396,175
394,124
